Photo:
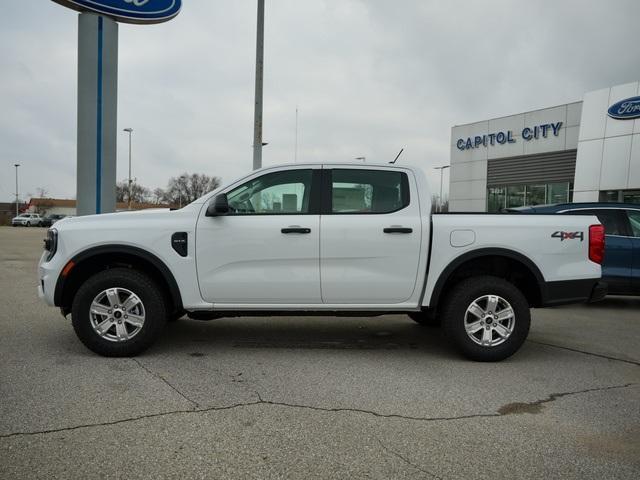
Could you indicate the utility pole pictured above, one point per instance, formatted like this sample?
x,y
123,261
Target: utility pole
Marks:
x,y
440,198
295,151
257,123
16,165
129,131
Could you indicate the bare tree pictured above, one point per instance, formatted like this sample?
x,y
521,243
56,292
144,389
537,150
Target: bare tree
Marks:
x,y
188,187
139,194
158,195
42,192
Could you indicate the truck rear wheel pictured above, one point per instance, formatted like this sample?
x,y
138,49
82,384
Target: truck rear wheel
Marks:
x,y
486,318
118,312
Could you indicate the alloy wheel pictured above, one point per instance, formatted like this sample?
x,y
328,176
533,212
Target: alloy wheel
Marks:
x,y
489,320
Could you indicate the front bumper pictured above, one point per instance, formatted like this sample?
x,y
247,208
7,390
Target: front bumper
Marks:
x,y
47,278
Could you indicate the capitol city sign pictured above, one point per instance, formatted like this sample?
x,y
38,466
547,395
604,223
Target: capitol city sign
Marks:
x,y
504,137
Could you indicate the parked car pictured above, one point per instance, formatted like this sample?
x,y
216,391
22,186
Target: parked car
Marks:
x,y
621,265
27,220
342,239
49,220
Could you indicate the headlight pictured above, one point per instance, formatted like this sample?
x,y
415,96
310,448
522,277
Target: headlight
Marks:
x,y
51,243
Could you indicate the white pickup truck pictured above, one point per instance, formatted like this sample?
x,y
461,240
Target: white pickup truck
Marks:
x,y
318,238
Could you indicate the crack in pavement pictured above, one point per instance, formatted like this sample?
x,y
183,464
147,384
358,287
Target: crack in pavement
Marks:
x,y
405,460
536,406
520,408
160,377
632,362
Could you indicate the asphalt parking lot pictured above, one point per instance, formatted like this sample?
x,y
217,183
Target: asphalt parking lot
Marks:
x,y
316,397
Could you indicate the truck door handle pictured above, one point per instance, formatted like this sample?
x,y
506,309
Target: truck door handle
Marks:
x,y
295,230
398,230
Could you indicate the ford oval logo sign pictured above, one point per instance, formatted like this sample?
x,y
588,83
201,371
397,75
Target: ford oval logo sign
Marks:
x,y
625,109
129,11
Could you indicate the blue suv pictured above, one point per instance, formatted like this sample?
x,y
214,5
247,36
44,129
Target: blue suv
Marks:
x,y
621,266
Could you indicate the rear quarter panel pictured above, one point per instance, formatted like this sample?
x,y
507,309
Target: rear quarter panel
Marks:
x,y
528,235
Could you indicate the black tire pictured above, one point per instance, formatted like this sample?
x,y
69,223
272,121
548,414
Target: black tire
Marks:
x,y
143,287
175,316
426,318
455,308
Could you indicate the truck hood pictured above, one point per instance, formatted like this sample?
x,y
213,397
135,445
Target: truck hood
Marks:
x,y
129,220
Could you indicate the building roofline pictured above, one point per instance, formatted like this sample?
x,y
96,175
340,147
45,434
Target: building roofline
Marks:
x,y
520,113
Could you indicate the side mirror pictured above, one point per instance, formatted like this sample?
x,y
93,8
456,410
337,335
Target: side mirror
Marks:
x,y
219,206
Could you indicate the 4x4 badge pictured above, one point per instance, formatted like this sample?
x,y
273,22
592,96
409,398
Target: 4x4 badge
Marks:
x,y
568,235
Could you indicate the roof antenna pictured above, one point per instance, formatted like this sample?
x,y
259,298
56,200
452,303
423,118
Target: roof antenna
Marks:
x,y
398,156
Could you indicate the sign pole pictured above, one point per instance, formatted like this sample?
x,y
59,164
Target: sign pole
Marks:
x,y
97,113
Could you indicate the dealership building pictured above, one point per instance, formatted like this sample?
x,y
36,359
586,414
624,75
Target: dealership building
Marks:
x,y
582,152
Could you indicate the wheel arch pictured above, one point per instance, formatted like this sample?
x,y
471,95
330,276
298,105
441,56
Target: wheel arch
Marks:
x,y
501,262
104,257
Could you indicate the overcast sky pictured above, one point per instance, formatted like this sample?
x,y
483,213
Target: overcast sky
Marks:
x,y
368,77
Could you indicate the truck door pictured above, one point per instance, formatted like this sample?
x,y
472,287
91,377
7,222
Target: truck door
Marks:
x,y
370,236
266,249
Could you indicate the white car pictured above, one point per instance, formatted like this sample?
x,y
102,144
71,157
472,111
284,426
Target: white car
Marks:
x,y
319,238
27,220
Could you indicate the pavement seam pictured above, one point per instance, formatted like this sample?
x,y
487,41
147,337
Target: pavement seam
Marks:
x,y
632,362
552,397
160,377
407,461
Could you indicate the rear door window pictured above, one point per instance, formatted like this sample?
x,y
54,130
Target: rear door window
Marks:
x,y
359,191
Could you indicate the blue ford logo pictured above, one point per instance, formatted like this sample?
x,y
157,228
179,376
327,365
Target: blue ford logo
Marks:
x,y
625,109
129,11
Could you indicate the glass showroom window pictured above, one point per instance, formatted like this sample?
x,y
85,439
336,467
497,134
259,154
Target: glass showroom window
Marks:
x,y
624,196
513,196
631,196
535,194
559,192
496,199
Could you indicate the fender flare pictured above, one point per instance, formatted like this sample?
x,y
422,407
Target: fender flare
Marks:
x,y
486,252
165,272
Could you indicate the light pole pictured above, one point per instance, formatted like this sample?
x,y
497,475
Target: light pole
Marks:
x,y
257,118
440,198
16,165
129,131
295,148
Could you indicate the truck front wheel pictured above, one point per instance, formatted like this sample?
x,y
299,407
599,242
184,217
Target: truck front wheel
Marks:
x,y
118,312
486,318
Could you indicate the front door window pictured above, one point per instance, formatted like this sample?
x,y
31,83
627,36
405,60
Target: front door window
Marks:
x,y
286,192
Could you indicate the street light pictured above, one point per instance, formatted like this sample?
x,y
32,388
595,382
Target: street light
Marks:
x,y
16,165
440,199
129,131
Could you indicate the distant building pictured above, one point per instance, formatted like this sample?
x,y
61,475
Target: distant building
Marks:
x,y
60,206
